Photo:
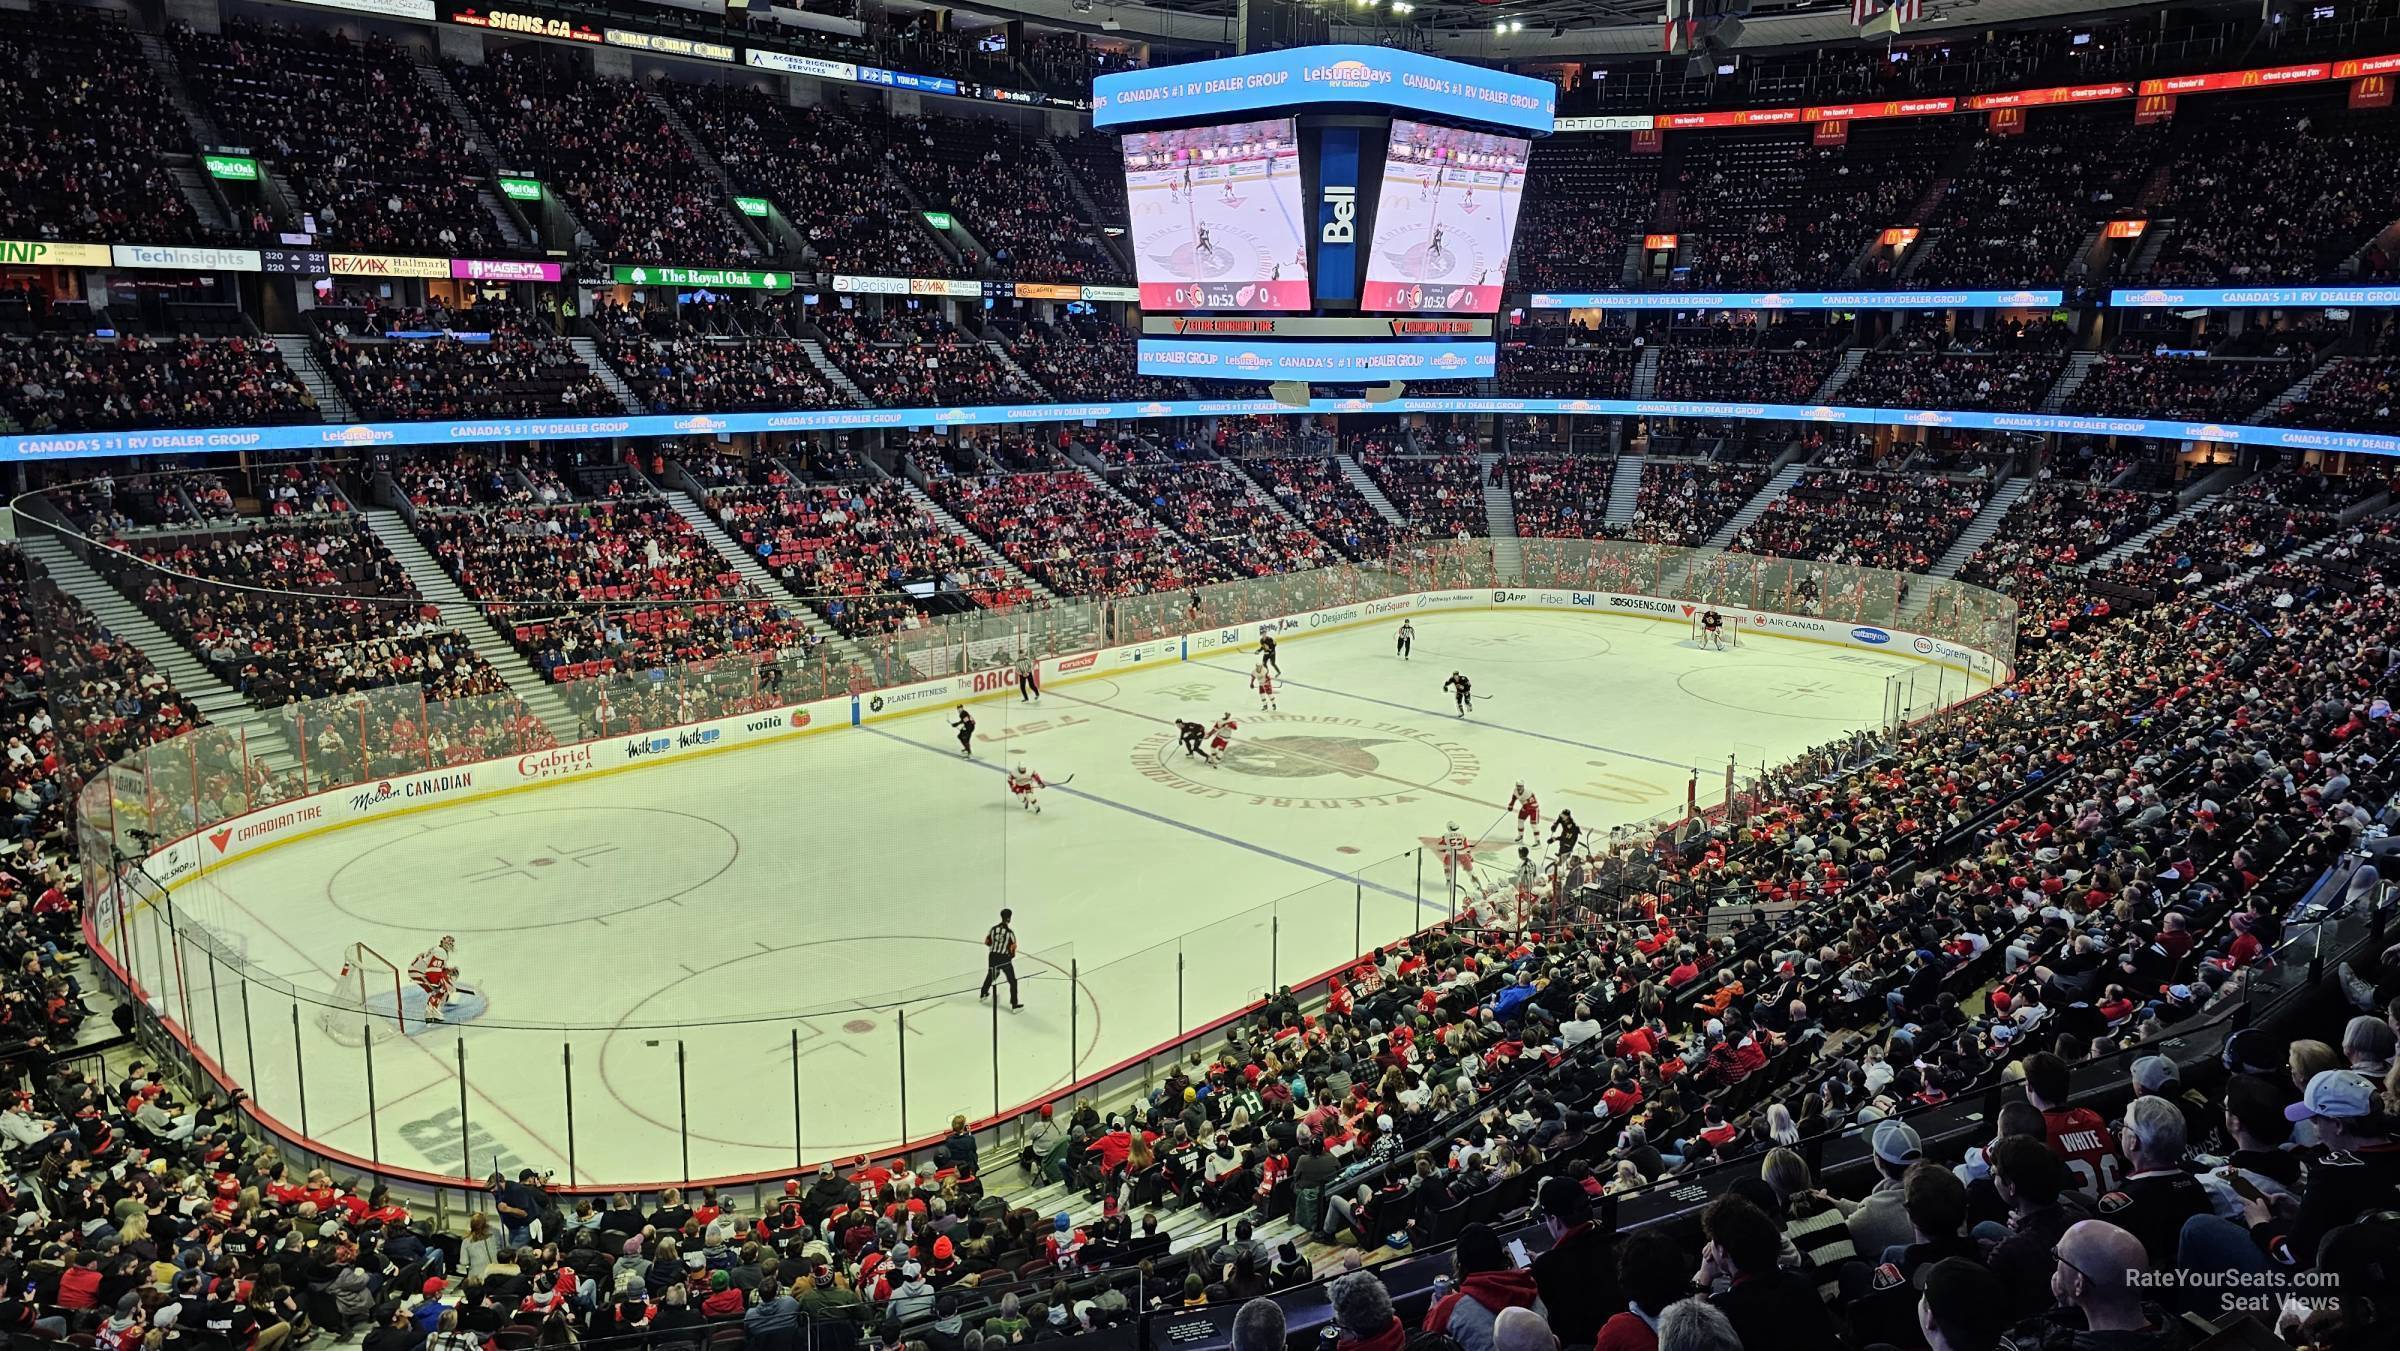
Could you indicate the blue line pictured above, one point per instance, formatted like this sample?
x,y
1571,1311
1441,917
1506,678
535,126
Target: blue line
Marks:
x,y
1437,713
1146,815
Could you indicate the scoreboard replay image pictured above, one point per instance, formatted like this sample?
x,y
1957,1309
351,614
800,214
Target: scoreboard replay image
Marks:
x,y
1331,215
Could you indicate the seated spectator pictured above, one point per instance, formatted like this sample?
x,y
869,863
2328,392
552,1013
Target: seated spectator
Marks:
x,y
59,383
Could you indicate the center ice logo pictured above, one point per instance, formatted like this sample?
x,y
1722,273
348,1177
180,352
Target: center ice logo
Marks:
x,y
1313,762
1305,757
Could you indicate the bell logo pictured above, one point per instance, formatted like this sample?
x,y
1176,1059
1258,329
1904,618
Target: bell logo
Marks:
x,y
1342,227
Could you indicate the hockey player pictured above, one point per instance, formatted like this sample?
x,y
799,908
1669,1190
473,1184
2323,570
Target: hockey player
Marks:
x,y
964,725
1564,833
1022,781
1407,639
435,971
1529,811
1220,736
1712,628
1266,653
1189,733
1463,689
1457,852
1263,680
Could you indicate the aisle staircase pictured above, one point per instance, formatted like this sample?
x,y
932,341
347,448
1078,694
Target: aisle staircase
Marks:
x,y
300,356
1842,371
1008,362
513,225
589,350
167,75
755,573
1980,530
2299,390
754,240
1500,523
2079,369
201,194
1644,384
833,372
1364,482
1625,489
1767,495
217,701
540,697
2136,542
990,552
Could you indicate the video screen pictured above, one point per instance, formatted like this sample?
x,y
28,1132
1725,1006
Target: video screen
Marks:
x,y
1216,217
1444,219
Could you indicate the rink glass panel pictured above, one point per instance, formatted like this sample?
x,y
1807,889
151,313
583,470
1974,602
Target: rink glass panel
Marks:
x,y
184,951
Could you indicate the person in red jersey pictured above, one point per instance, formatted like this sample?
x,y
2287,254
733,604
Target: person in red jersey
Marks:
x,y
2076,1135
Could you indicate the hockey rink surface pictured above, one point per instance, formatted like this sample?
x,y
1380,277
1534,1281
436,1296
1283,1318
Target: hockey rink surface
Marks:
x,y
829,894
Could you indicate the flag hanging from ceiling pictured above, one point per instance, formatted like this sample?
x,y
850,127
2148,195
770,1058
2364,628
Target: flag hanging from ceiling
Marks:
x,y
1909,11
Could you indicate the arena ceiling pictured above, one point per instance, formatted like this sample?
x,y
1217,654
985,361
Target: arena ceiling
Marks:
x,y
1533,30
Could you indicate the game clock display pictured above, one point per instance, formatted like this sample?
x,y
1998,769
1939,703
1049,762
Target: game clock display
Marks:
x,y
1444,219
1216,221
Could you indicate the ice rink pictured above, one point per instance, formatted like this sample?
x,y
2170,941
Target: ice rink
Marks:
x,y
825,897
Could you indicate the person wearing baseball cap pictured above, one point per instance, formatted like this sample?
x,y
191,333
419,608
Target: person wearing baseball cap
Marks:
x,y
2358,1174
1880,1221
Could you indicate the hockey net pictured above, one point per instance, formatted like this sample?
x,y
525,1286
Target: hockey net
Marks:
x,y
1730,632
366,1002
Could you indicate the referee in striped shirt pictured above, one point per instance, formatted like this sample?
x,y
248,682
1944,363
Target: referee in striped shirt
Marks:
x,y
1000,959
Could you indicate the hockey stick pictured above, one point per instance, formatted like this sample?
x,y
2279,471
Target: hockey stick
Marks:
x,y
1064,782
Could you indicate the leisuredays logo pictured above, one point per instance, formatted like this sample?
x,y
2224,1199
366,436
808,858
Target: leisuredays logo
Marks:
x,y
230,835
1865,634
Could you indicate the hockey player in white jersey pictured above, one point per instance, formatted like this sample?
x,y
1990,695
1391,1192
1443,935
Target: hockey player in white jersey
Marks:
x,y
435,971
1528,811
1262,679
1457,852
1022,782
1220,735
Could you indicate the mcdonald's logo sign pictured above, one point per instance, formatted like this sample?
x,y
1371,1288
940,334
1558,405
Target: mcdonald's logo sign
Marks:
x,y
2005,121
2151,108
2372,91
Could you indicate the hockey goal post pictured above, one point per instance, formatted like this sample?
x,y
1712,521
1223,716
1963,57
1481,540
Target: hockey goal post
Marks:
x,y
357,1010
1731,631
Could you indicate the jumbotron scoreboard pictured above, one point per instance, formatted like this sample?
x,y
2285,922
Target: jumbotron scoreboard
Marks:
x,y
1335,215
